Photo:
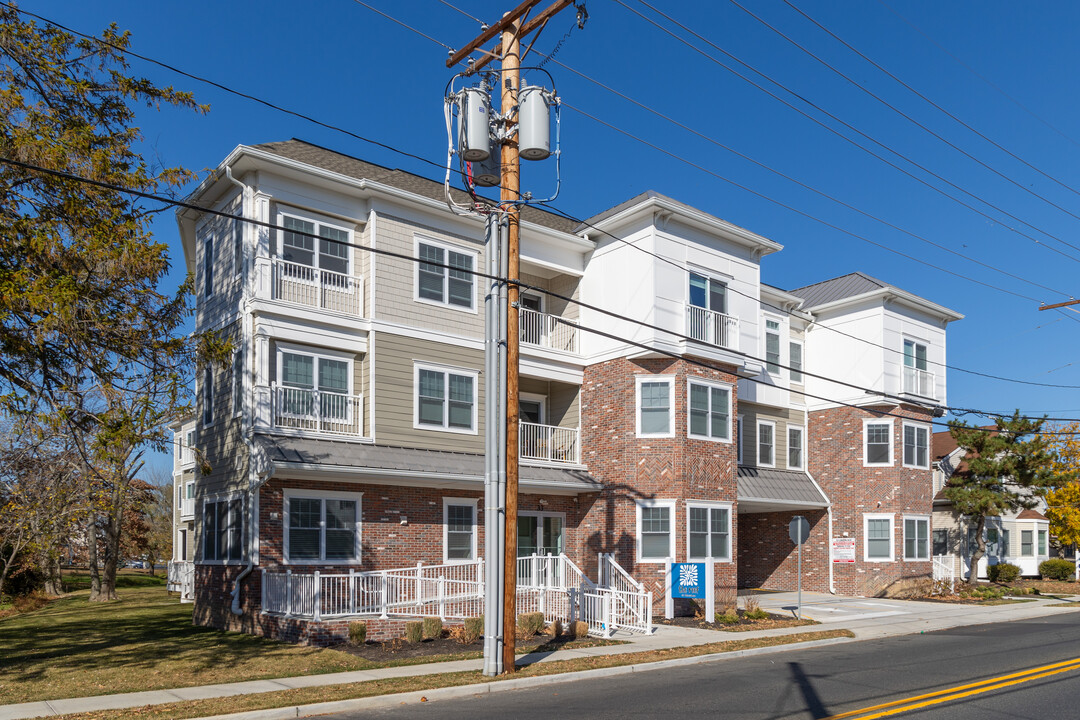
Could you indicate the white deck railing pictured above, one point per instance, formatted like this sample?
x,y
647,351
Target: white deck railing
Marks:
x,y
187,508
945,570
182,579
629,604
311,286
550,443
548,331
714,328
315,411
919,382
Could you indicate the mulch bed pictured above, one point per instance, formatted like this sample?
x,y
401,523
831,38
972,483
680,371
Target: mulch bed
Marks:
x,y
447,648
743,625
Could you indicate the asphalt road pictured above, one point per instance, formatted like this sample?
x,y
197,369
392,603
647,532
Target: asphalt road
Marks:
x,y
958,674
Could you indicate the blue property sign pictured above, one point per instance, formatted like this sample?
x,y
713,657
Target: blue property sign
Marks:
x,y
688,580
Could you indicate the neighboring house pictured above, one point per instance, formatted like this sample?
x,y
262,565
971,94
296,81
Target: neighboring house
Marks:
x,y
1020,538
181,568
344,442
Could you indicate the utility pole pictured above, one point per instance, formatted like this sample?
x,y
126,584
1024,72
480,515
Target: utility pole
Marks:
x,y
509,54
1059,305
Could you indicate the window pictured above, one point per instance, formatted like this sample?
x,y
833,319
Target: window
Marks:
x,y
190,490
997,542
916,538
795,350
772,346
941,541
766,431
739,441
445,399
238,244
917,381
914,355
238,381
459,529
794,448
655,412
1042,543
181,541
444,275
299,246
223,529
208,396
322,526
878,542
208,266
708,293
708,531
916,446
306,377
710,411
656,542
1027,543
877,445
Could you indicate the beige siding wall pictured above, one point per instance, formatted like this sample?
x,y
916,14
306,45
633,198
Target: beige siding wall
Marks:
x,y
565,285
360,375
561,400
225,235
394,358
751,413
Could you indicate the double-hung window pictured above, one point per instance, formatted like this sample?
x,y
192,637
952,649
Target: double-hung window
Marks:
x,y
459,529
444,275
208,395
208,265
708,531
223,529
766,432
877,443
795,351
655,409
322,526
917,381
878,537
314,387
656,541
997,542
916,446
772,346
710,411
445,399
739,440
1027,543
1042,543
313,244
238,381
794,447
916,538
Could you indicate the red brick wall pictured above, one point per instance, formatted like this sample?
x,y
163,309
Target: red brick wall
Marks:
x,y
768,559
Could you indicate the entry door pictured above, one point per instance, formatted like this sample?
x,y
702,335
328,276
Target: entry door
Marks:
x,y
532,323
540,533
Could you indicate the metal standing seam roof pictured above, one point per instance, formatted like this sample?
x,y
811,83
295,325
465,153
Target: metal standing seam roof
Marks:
x,y
845,286
786,486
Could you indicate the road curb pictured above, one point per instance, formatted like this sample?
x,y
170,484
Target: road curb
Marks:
x,y
449,693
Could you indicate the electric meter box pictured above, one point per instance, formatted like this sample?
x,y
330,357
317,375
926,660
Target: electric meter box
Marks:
x,y
474,117
534,123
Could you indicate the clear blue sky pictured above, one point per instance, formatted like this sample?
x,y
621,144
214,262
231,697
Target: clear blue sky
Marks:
x,y
347,66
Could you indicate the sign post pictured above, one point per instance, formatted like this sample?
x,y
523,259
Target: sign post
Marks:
x,y
690,580
798,530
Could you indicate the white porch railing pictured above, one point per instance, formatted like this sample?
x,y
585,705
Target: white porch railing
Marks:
x,y
187,508
629,605
945,570
550,443
548,331
314,287
316,411
181,579
919,382
712,327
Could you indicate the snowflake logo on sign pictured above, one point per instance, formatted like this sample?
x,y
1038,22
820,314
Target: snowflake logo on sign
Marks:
x,y
688,575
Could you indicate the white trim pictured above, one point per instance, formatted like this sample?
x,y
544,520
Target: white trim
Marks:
x,y
317,354
314,219
866,536
644,503
802,362
917,425
540,400
757,443
305,494
739,440
447,371
418,239
929,537
540,515
692,380
473,502
237,379
211,387
670,381
766,317
802,448
710,505
892,441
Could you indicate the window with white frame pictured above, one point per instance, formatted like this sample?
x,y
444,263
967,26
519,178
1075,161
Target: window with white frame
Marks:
x,y
445,399
877,443
1042,542
795,447
223,529
655,409
795,351
656,540
708,293
459,529
766,443
878,537
914,354
322,526
1027,543
916,538
444,274
739,439
710,410
306,376
208,265
997,542
208,395
314,244
916,446
772,346
708,530
238,381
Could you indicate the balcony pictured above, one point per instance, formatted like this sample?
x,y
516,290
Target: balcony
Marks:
x,y
547,331
308,286
549,443
187,508
919,382
308,411
711,327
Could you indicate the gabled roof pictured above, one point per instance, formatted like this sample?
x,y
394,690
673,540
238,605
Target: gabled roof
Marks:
x,y
1032,515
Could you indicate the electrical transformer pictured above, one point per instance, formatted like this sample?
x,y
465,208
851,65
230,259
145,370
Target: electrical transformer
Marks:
x,y
474,119
534,123
486,172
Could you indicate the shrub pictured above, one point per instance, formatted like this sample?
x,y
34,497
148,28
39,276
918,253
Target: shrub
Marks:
x,y
1003,572
358,632
29,602
530,624
472,630
414,631
727,599
556,628
580,629
1057,569
432,628
727,618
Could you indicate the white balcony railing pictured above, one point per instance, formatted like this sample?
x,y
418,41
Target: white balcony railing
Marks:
x,y
713,328
314,411
187,508
549,443
182,579
548,331
314,287
919,382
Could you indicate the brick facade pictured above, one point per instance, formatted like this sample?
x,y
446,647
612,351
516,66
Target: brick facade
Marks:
x,y
769,560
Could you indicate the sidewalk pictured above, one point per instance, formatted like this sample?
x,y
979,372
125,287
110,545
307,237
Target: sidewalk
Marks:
x,y
866,617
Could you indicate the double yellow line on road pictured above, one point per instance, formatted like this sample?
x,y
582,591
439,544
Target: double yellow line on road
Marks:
x,y
959,692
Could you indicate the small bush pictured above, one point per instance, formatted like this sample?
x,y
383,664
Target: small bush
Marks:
x,y
556,628
29,602
432,628
1057,569
580,629
414,632
752,609
982,592
471,631
726,618
358,632
1003,572
727,600
530,624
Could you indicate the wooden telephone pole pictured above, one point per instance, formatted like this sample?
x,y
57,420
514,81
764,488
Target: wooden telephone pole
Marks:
x,y
508,52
